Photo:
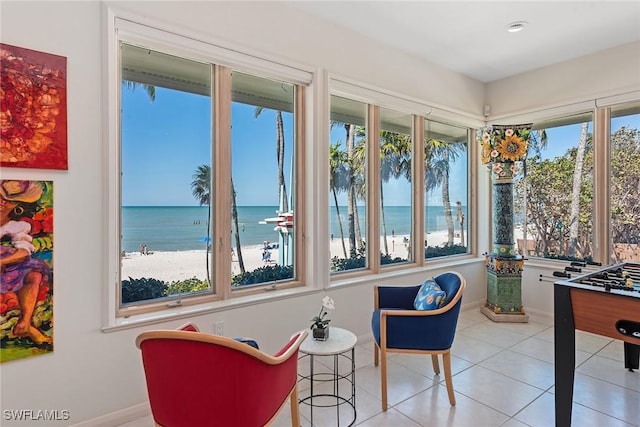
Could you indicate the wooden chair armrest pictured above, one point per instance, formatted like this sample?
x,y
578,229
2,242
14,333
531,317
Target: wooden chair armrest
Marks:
x,y
226,342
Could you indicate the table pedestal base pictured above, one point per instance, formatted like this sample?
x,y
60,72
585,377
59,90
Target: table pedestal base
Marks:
x,y
331,396
504,318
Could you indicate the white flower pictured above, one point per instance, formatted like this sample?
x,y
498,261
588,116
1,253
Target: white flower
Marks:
x,y
328,303
319,321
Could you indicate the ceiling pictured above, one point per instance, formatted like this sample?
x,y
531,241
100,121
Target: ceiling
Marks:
x,y
470,37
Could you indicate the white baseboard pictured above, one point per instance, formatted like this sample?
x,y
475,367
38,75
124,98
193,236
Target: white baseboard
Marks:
x,y
117,418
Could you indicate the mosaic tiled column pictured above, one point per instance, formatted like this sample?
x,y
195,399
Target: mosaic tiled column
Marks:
x,y
504,290
504,265
502,179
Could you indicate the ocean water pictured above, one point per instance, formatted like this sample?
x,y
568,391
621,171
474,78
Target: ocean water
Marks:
x,y
179,228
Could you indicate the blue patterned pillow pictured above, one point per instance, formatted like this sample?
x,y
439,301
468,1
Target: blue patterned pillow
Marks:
x,y
430,296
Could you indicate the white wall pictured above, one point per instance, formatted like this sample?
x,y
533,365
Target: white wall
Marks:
x,y
608,73
91,373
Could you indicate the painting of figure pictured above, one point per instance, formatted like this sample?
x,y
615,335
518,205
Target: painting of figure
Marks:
x,y
26,260
33,109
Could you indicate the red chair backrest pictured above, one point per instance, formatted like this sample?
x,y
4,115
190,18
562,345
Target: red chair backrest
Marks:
x,y
193,383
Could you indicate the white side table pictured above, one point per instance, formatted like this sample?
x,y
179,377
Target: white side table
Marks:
x,y
341,344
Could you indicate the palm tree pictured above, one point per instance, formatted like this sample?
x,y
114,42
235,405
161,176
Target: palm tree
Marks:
x,y
438,157
236,230
395,161
149,89
337,174
538,140
574,220
460,218
201,190
282,186
357,163
352,208
354,184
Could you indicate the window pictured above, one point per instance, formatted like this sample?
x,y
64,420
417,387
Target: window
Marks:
x,y
348,185
554,200
446,213
262,187
418,189
624,206
396,191
205,182
165,136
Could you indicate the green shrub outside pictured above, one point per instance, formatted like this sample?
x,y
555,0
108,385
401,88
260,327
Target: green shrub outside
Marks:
x,y
142,289
146,288
186,286
439,251
266,274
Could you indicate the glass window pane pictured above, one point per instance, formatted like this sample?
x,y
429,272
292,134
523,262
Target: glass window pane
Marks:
x,y
165,175
558,191
625,175
396,200
262,163
348,185
446,190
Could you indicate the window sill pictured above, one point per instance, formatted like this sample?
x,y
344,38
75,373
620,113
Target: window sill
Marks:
x,y
439,265
181,312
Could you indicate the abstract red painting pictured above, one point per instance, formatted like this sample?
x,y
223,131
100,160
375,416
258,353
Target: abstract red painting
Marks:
x,y
33,109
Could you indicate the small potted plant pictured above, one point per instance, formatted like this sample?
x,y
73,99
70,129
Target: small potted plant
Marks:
x,y
320,324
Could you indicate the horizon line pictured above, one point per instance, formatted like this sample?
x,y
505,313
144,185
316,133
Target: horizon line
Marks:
x,y
259,206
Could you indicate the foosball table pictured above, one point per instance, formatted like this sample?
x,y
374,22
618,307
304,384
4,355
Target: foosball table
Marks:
x,y
603,301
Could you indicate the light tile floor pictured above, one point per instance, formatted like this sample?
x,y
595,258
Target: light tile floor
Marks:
x,y
502,375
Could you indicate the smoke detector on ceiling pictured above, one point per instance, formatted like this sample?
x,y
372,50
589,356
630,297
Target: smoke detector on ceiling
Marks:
x,y
514,27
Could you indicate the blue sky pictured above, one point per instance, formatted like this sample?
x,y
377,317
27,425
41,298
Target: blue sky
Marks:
x,y
560,139
165,141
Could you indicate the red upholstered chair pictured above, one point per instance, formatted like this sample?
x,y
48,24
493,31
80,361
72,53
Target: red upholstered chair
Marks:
x,y
198,379
189,327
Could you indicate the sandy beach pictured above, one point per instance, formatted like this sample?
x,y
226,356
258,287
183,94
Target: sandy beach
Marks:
x,y
180,265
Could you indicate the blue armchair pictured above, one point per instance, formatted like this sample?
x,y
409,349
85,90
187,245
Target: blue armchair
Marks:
x,y
399,328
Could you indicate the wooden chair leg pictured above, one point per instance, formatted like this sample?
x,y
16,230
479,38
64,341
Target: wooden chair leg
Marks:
x,y
375,354
436,365
295,409
446,361
383,377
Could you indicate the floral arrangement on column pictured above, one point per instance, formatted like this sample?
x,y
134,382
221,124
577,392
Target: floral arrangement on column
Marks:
x,y
503,148
504,144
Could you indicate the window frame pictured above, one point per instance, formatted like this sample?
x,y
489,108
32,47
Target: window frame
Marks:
x,y
600,111
376,98
555,123
125,29
471,150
